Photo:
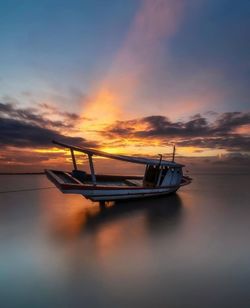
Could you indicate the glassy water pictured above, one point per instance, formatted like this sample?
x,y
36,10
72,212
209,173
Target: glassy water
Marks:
x,y
185,250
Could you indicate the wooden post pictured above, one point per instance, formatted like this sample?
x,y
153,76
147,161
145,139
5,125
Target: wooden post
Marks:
x,y
145,173
173,154
160,173
160,159
159,178
91,166
73,158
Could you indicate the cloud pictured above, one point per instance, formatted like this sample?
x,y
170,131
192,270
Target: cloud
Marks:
x,y
23,130
18,133
30,115
231,120
28,128
31,127
196,132
230,143
43,115
47,108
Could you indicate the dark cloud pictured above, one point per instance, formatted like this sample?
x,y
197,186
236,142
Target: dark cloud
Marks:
x,y
228,121
210,113
231,143
21,134
30,115
66,115
198,131
32,128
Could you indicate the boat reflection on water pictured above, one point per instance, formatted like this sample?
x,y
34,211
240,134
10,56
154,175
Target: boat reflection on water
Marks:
x,y
160,213
149,215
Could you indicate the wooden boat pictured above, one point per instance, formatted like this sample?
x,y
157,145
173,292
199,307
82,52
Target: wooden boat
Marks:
x,y
161,177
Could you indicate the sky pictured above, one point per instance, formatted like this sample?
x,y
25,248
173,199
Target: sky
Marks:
x,y
132,77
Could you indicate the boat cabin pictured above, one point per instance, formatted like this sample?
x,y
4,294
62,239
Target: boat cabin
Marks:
x,y
162,175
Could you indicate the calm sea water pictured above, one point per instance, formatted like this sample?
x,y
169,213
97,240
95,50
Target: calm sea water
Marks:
x,y
191,249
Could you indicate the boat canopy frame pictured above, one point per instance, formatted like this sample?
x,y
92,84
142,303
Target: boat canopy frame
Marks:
x,y
137,160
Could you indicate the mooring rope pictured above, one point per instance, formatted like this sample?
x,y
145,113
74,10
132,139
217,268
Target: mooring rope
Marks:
x,y
26,189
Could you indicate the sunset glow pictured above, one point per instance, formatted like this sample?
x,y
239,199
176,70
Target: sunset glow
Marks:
x,y
124,153
134,80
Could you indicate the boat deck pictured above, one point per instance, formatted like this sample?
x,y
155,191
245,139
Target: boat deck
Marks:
x,y
109,183
62,177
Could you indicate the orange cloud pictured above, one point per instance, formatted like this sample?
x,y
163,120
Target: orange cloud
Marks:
x,y
243,130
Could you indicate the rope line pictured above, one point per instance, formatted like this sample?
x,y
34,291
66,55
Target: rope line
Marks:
x,y
27,189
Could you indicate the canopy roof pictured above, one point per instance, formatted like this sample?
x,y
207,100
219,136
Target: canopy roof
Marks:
x,y
130,159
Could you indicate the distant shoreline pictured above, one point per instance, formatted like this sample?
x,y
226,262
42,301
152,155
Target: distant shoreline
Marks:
x,y
21,173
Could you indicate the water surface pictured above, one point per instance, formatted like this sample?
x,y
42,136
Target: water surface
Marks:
x,y
185,250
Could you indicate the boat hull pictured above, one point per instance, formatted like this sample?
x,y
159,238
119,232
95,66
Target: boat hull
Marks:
x,y
68,184
113,195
